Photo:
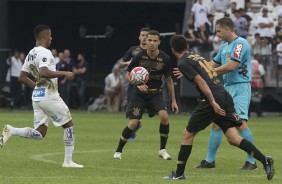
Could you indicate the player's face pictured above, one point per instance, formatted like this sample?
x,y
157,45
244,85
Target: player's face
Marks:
x,y
222,32
143,37
48,37
153,42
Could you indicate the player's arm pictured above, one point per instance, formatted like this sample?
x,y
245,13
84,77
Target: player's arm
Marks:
x,y
128,76
123,64
228,67
170,87
201,83
46,73
23,78
214,64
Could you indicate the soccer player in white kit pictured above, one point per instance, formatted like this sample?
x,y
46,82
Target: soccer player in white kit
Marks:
x,y
46,101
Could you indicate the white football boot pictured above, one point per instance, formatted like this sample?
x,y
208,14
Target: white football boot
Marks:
x,y
71,164
163,154
6,134
117,155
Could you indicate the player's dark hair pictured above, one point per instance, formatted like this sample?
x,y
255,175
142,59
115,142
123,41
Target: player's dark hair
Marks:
x,y
225,22
154,32
178,43
145,29
39,29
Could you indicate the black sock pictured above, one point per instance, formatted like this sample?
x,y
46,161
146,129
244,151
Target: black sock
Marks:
x,y
123,140
163,142
252,150
183,155
164,130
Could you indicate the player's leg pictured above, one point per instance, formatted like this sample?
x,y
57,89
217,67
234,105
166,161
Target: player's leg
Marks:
x,y
248,147
60,115
241,97
69,141
213,145
157,105
164,132
129,95
200,119
134,112
126,134
183,155
37,133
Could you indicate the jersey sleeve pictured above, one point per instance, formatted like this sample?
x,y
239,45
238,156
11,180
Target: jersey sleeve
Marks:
x,y
127,55
134,62
45,59
239,50
25,66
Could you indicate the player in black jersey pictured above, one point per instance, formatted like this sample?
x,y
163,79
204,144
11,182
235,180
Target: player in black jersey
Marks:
x,y
213,99
149,96
125,61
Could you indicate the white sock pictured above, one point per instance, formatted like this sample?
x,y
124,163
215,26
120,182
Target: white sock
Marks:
x,y
27,132
69,143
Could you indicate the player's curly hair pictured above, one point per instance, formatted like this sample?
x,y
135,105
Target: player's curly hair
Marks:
x,y
178,43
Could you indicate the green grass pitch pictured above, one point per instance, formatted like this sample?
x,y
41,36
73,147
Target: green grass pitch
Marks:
x,y
97,135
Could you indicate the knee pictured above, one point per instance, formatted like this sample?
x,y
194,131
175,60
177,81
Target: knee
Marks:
x,y
164,118
234,141
187,137
243,126
68,124
133,124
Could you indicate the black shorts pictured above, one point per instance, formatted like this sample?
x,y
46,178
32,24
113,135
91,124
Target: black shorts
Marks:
x,y
204,115
153,102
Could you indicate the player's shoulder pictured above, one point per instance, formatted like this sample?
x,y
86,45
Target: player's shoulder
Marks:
x,y
241,40
41,51
241,43
135,47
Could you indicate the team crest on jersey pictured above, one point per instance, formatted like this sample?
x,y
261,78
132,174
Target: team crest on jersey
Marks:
x,y
136,111
228,56
159,66
44,59
238,50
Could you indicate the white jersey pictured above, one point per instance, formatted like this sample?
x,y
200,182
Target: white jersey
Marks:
x,y
45,88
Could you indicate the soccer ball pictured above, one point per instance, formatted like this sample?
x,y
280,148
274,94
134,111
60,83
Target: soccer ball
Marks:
x,y
139,75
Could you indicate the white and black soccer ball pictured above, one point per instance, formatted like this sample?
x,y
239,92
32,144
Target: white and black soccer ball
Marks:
x,y
139,75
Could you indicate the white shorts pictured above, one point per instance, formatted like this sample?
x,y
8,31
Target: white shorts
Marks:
x,y
54,109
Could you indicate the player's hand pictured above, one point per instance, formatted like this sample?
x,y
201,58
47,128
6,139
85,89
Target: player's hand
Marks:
x,y
69,75
177,73
174,107
143,87
217,109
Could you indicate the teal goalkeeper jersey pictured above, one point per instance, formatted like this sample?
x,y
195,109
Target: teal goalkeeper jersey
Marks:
x,y
238,50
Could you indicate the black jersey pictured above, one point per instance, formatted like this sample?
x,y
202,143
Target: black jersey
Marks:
x,y
191,65
132,51
157,67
